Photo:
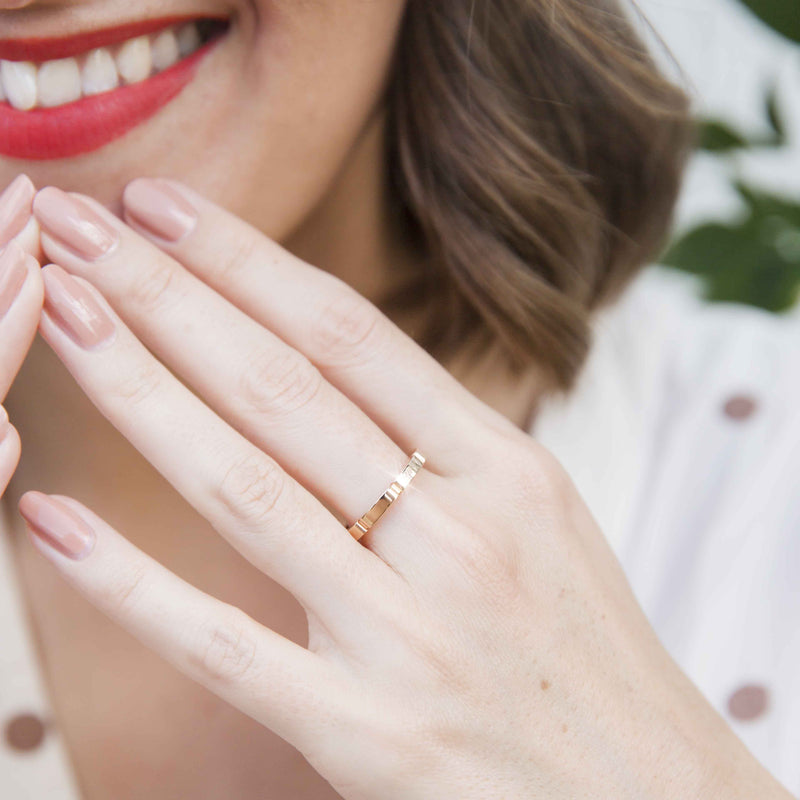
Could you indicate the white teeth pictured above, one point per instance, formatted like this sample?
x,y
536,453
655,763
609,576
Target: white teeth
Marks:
x,y
25,85
19,83
188,38
164,50
58,82
99,72
133,60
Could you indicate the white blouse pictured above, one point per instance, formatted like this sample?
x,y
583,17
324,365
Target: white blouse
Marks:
x,y
683,436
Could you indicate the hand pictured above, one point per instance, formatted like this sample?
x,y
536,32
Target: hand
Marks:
x,y
21,294
480,642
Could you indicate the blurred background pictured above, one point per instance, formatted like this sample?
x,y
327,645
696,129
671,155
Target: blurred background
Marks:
x,y
738,220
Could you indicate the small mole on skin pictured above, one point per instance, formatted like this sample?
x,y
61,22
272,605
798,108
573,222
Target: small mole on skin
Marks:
x,y
564,728
545,685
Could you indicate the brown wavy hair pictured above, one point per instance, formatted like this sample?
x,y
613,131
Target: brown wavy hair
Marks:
x,y
536,153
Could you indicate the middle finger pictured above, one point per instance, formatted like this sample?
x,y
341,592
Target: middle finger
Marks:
x,y
269,391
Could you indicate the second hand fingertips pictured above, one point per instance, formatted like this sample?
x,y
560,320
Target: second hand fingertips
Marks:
x,y
12,275
72,223
5,425
15,206
75,310
57,525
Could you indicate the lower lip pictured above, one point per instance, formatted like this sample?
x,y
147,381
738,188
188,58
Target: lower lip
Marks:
x,y
91,122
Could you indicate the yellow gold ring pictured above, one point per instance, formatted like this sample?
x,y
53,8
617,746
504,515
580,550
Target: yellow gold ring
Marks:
x,y
362,525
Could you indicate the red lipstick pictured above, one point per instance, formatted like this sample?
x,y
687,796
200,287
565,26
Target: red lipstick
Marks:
x,y
48,48
90,122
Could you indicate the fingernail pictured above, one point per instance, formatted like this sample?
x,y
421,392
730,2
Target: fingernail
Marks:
x,y
57,525
12,275
74,309
15,206
161,209
77,226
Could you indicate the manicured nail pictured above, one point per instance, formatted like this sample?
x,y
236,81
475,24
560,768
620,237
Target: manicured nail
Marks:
x,y
5,425
77,226
160,208
15,206
57,525
12,275
74,309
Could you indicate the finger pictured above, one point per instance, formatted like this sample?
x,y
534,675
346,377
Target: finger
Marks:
x,y
265,675
358,349
269,391
9,450
21,294
15,207
17,223
260,509
28,239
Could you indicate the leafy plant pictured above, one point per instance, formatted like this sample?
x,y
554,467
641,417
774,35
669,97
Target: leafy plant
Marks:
x,y
755,259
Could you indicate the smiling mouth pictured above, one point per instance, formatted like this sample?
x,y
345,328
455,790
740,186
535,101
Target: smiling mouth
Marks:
x,y
96,62
63,97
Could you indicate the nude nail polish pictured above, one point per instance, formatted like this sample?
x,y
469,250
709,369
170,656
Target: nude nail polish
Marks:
x,y
159,208
12,275
15,206
75,310
57,525
73,223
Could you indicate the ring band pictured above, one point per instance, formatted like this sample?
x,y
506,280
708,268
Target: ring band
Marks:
x,y
362,525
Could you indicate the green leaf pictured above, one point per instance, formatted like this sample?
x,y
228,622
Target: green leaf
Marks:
x,y
749,261
774,116
781,15
717,137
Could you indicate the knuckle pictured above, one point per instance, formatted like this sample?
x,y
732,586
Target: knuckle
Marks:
x,y
280,383
122,595
237,259
543,474
251,488
225,649
491,564
346,329
152,287
138,384
529,474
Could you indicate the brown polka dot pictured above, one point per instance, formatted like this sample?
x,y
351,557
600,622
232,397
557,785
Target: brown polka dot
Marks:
x,y
748,702
740,407
24,732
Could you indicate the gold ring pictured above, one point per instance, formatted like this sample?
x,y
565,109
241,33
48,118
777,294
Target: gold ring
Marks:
x,y
362,525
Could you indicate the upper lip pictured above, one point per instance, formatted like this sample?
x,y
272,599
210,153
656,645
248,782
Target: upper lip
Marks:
x,y
48,48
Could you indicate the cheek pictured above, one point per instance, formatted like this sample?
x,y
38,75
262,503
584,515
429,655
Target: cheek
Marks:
x,y
311,75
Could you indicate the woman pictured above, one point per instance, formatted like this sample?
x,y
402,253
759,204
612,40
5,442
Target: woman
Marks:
x,y
456,188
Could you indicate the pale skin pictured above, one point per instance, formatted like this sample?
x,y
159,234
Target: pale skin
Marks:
x,y
480,642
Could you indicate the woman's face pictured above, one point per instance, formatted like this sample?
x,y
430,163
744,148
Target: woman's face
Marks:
x,y
270,118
